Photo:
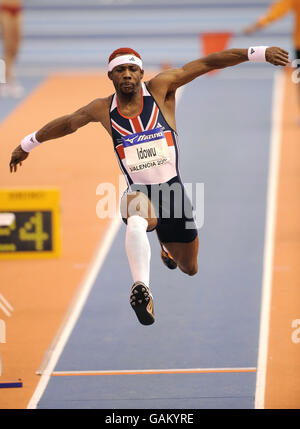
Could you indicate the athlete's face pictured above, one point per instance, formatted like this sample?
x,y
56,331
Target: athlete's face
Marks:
x,y
126,78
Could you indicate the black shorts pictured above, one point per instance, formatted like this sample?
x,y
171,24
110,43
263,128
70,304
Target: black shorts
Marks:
x,y
173,210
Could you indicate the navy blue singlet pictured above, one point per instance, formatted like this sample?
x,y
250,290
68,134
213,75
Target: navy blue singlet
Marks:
x,y
147,151
133,138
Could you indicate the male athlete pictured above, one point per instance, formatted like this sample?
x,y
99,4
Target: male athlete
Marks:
x,y
140,118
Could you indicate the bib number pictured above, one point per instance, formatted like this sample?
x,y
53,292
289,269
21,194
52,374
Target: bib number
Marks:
x,y
147,149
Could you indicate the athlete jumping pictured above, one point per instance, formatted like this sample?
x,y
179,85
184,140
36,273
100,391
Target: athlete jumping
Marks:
x,y
140,118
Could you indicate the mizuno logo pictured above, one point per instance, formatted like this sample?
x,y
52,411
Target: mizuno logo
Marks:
x,y
150,136
131,140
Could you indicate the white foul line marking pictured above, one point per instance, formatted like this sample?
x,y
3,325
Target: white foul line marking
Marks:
x,y
153,371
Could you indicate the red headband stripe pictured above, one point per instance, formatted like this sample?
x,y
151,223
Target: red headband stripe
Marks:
x,y
123,51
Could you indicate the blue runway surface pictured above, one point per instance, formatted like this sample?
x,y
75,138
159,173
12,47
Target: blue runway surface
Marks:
x,y
210,320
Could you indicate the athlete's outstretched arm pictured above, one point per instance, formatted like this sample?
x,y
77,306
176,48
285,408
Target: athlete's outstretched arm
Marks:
x,y
63,125
59,127
174,78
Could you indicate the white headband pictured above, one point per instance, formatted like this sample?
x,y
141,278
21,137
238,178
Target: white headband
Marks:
x,y
125,59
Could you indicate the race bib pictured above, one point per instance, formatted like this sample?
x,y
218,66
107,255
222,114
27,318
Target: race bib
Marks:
x,y
145,150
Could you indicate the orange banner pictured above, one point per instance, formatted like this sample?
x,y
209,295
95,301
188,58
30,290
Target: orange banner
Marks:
x,y
214,42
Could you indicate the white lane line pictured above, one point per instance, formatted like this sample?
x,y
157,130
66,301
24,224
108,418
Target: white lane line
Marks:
x,y
5,306
278,90
74,312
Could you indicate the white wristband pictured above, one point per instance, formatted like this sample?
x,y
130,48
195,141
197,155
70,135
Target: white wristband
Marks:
x,y
29,142
257,53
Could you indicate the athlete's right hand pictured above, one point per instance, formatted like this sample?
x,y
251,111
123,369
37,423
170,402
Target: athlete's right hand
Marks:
x,y
17,157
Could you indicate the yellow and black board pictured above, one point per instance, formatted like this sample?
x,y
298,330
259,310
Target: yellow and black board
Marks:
x,y
29,223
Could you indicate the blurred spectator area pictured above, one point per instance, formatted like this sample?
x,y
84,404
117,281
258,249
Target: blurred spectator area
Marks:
x,y
76,34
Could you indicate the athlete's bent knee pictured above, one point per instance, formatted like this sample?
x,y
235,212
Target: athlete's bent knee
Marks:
x,y
193,271
137,204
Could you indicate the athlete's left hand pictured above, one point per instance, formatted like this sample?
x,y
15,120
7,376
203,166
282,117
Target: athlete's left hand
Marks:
x,y
277,56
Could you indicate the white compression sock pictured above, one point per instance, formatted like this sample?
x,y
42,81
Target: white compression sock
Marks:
x,y
138,249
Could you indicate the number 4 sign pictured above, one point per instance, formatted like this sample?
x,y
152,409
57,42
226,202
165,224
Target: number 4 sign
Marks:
x,y
29,224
